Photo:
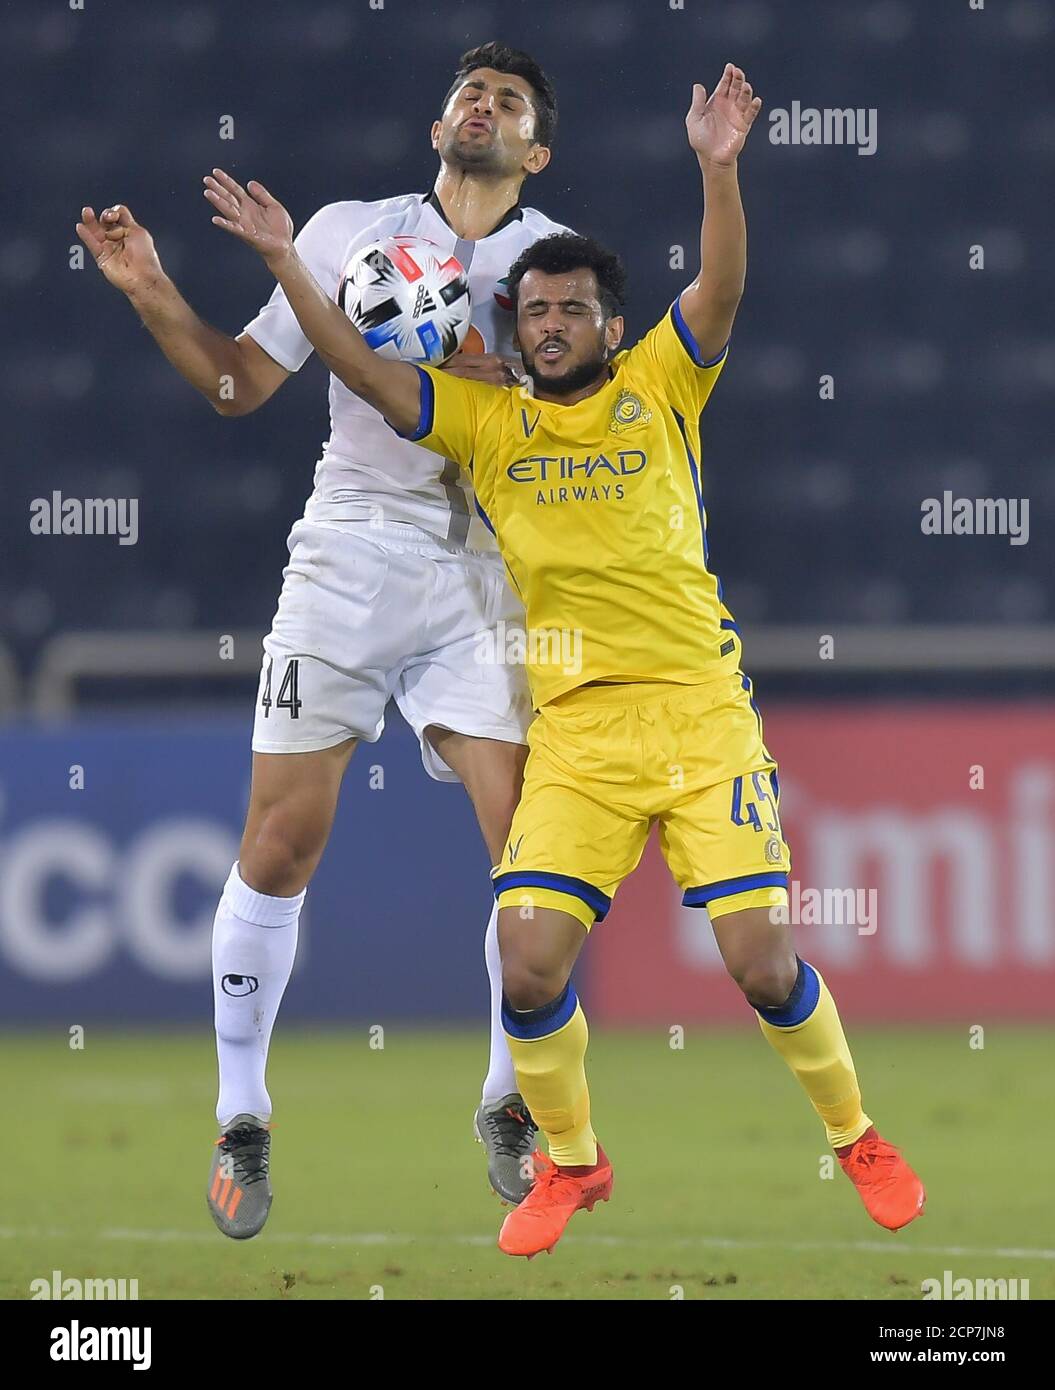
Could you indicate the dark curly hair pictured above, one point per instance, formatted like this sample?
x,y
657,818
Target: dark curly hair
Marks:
x,y
502,58
564,251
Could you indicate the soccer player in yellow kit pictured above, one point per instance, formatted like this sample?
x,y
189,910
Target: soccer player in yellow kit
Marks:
x,y
592,486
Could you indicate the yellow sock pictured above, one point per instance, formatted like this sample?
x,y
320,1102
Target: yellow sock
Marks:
x,y
807,1033
548,1048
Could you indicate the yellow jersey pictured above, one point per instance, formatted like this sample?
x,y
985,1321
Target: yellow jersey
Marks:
x,y
597,509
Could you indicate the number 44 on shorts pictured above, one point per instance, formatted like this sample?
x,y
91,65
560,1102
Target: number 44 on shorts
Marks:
x,y
287,691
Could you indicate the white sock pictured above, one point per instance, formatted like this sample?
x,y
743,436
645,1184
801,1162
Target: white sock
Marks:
x,y
254,941
501,1078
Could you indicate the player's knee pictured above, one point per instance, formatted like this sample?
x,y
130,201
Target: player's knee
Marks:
x,y
767,979
275,861
529,986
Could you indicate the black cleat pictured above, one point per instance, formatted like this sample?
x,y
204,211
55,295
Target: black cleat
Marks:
x,y
239,1195
507,1132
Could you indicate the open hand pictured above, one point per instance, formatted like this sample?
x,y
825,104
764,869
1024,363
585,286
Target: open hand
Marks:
x,y
250,214
718,126
488,367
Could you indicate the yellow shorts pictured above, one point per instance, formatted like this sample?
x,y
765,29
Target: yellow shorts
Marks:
x,y
606,762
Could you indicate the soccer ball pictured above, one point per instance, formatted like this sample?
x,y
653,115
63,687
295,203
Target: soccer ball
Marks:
x,y
407,298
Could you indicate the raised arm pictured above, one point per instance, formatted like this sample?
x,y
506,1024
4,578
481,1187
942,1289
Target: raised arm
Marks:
x,y
235,375
717,128
253,216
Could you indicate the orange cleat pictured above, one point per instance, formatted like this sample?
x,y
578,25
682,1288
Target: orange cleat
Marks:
x,y
541,1163
539,1221
892,1193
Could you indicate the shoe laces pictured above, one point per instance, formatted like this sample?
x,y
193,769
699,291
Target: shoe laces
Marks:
x,y
249,1147
554,1184
875,1159
512,1130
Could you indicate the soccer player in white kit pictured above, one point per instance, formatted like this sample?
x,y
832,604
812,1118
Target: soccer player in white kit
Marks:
x,y
392,579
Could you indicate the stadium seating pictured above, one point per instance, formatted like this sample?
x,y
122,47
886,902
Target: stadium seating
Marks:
x,y
858,268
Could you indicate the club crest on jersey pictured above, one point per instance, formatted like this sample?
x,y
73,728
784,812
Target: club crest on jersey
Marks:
x,y
628,410
502,298
773,850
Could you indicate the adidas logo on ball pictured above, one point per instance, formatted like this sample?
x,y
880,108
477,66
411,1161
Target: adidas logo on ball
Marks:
x,y
408,298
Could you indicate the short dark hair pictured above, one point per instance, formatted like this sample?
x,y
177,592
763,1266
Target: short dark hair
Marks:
x,y
512,60
564,251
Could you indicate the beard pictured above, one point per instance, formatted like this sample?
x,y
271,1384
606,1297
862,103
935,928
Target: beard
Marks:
x,y
574,379
487,158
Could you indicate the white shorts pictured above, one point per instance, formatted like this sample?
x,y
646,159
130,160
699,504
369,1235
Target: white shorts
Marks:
x,y
387,612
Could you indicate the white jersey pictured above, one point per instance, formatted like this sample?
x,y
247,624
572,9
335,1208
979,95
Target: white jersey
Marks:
x,y
366,471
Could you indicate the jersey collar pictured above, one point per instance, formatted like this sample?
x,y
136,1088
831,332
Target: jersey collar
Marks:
x,y
515,214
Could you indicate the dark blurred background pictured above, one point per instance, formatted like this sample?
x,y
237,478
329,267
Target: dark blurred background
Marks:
x,y
858,267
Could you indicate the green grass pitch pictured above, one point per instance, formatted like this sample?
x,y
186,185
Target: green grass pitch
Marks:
x,y
379,1185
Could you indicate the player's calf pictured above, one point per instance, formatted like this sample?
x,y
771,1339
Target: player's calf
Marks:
x,y
547,1037
806,1030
